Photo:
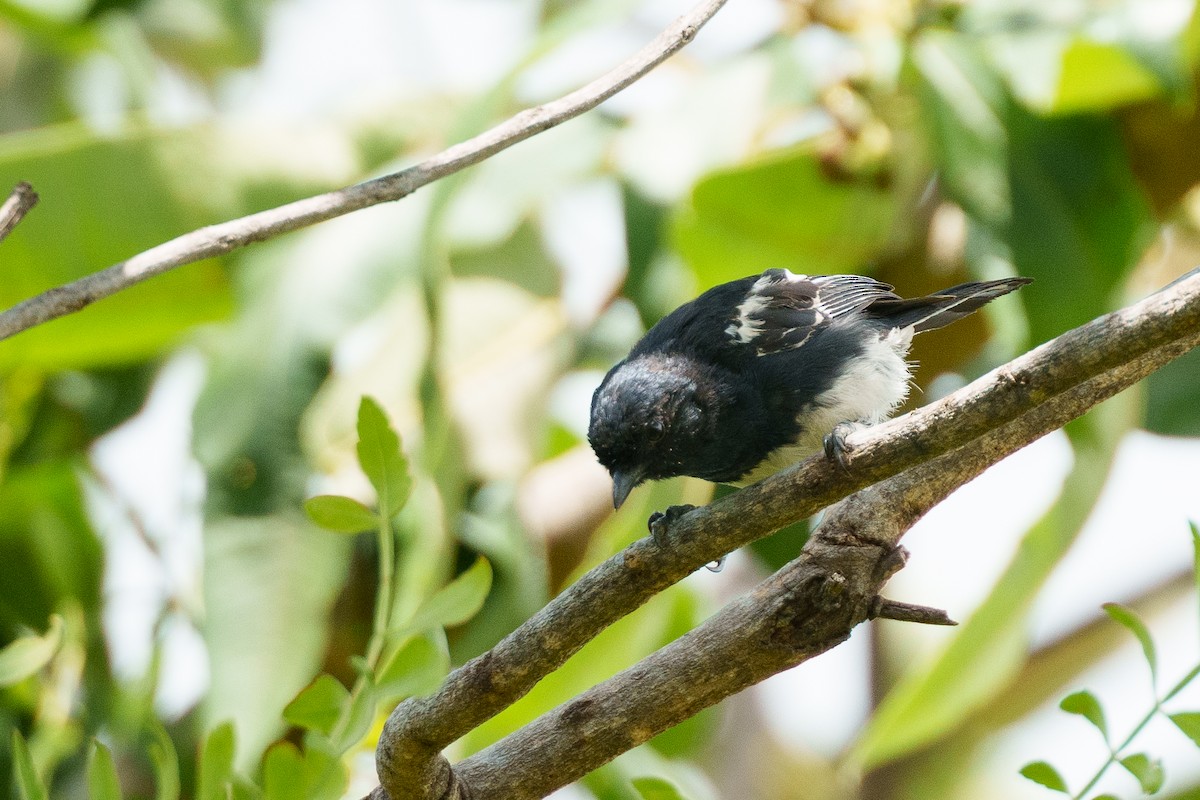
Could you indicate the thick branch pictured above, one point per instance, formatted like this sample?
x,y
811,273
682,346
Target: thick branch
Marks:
x,y
216,240
1074,365
19,202
803,610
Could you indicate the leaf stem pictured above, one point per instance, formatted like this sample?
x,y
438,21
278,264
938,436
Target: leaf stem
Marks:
x,y
383,594
1114,754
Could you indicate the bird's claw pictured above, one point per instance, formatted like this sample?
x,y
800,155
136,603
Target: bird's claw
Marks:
x,y
660,522
837,449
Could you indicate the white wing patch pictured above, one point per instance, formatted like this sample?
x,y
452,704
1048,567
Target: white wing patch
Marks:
x,y
753,314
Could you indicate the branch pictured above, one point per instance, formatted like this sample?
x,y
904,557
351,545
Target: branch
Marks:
x,y
996,415
803,610
216,240
18,204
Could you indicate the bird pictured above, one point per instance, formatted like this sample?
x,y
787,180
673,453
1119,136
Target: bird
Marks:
x,y
759,373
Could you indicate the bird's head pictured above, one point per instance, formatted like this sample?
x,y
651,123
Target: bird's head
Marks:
x,y
650,416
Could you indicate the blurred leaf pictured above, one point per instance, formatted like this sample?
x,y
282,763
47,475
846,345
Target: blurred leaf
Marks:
x,y
987,650
283,772
782,211
49,554
25,656
1098,75
102,780
521,258
1134,625
1044,774
166,763
216,763
1195,552
1148,771
103,199
416,668
1086,705
319,705
325,774
1189,723
652,788
340,514
29,785
1080,221
1173,397
457,601
356,719
381,459
965,104
269,585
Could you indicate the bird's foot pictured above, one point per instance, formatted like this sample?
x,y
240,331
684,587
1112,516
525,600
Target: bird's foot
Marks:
x,y
660,522
837,449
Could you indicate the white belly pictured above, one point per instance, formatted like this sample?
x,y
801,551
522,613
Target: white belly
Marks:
x,y
873,386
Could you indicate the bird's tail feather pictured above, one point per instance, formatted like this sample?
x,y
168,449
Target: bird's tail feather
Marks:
x,y
948,305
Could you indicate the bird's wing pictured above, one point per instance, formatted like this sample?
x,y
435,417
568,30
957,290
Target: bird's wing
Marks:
x,y
781,311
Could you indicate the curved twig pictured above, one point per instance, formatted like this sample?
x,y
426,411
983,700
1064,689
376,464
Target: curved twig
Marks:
x,y
216,240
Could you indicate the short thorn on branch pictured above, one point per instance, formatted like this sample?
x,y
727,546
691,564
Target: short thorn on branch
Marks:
x,y
882,608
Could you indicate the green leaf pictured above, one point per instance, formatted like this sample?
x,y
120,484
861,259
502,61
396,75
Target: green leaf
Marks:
x,y
782,211
1079,218
102,780
325,773
1148,771
964,102
1189,723
652,788
1106,797
1134,624
417,667
1097,76
319,706
29,785
1173,397
340,514
1042,773
1085,704
381,459
283,772
355,721
270,583
457,601
166,764
1195,531
28,654
216,763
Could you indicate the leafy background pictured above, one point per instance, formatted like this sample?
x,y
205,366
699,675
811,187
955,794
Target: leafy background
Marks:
x,y
163,590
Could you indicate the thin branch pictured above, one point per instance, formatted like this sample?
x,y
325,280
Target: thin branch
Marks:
x,y
216,240
22,199
1059,379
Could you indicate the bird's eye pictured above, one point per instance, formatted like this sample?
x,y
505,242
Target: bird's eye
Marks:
x,y
655,430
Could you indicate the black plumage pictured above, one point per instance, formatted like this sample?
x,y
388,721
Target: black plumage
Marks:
x,y
751,375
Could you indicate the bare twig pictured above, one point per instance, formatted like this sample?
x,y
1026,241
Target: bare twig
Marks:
x,y
222,238
18,204
882,608
997,414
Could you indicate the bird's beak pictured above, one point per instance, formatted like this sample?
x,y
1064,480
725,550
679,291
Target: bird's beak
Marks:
x,y
623,483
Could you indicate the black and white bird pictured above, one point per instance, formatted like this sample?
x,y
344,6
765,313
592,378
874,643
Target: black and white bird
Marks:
x,y
751,376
